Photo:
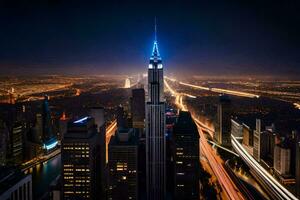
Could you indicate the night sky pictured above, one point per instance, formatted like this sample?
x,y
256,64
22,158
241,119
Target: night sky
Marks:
x,y
204,38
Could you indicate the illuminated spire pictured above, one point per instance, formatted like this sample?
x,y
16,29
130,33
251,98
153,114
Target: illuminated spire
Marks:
x,y
155,52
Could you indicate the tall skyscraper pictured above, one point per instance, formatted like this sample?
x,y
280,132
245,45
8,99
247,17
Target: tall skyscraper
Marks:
x,y
282,160
186,157
155,128
257,140
46,118
81,160
97,112
3,142
222,134
138,108
123,165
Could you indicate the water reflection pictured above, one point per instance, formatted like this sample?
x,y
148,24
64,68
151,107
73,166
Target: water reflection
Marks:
x,y
43,174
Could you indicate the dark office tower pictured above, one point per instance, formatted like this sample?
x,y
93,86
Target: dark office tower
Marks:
x,y
81,160
138,108
155,129
3,143
121,118
97,112
46,116
17,143
186,157
123,165
222,134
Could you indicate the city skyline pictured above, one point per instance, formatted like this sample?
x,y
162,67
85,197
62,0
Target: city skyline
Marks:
x,y
195,120
57,37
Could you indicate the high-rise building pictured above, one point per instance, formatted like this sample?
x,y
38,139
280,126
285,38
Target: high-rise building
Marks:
x,y
282,160
38,128
15,185
155,129
186,157
222,134
97,112
46,117
121,117
62,125
123,165
17,142
81,159
236,129
257,140
138,108
3,142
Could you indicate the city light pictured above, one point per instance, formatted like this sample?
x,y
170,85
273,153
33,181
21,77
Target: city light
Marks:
x,y
82,120
50,146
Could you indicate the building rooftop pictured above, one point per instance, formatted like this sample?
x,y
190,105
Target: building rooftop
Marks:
x,y
9,177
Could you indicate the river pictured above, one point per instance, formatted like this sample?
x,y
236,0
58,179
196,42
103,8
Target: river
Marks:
x,y
43,175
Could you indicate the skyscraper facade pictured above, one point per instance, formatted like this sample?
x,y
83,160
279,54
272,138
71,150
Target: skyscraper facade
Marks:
x,y
81,161
186,158
123,165
155,129
138,108
222,134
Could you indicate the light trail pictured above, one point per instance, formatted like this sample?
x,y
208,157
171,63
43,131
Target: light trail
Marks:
x,y
269,181
217,90
297,105
110,131
215,162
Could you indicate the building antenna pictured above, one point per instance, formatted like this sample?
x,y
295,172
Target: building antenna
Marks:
x,y
155,29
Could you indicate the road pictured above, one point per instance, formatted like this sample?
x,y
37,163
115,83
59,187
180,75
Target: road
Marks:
x,y
110,131
215,162
217,90
274,188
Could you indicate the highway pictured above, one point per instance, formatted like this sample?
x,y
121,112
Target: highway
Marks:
x,y
217,90
216,163
110,131
274,188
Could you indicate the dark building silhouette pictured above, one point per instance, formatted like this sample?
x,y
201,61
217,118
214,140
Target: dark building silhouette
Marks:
x,y
121,118
186,158
223,126
123,165
97,112
138,108
81,161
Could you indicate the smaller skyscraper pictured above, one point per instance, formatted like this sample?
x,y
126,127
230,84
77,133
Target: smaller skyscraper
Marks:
x,y
81,160
121,118
17,142
97,112
3,143
282,160
138,108
186,157
222,134
257,141
123,165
